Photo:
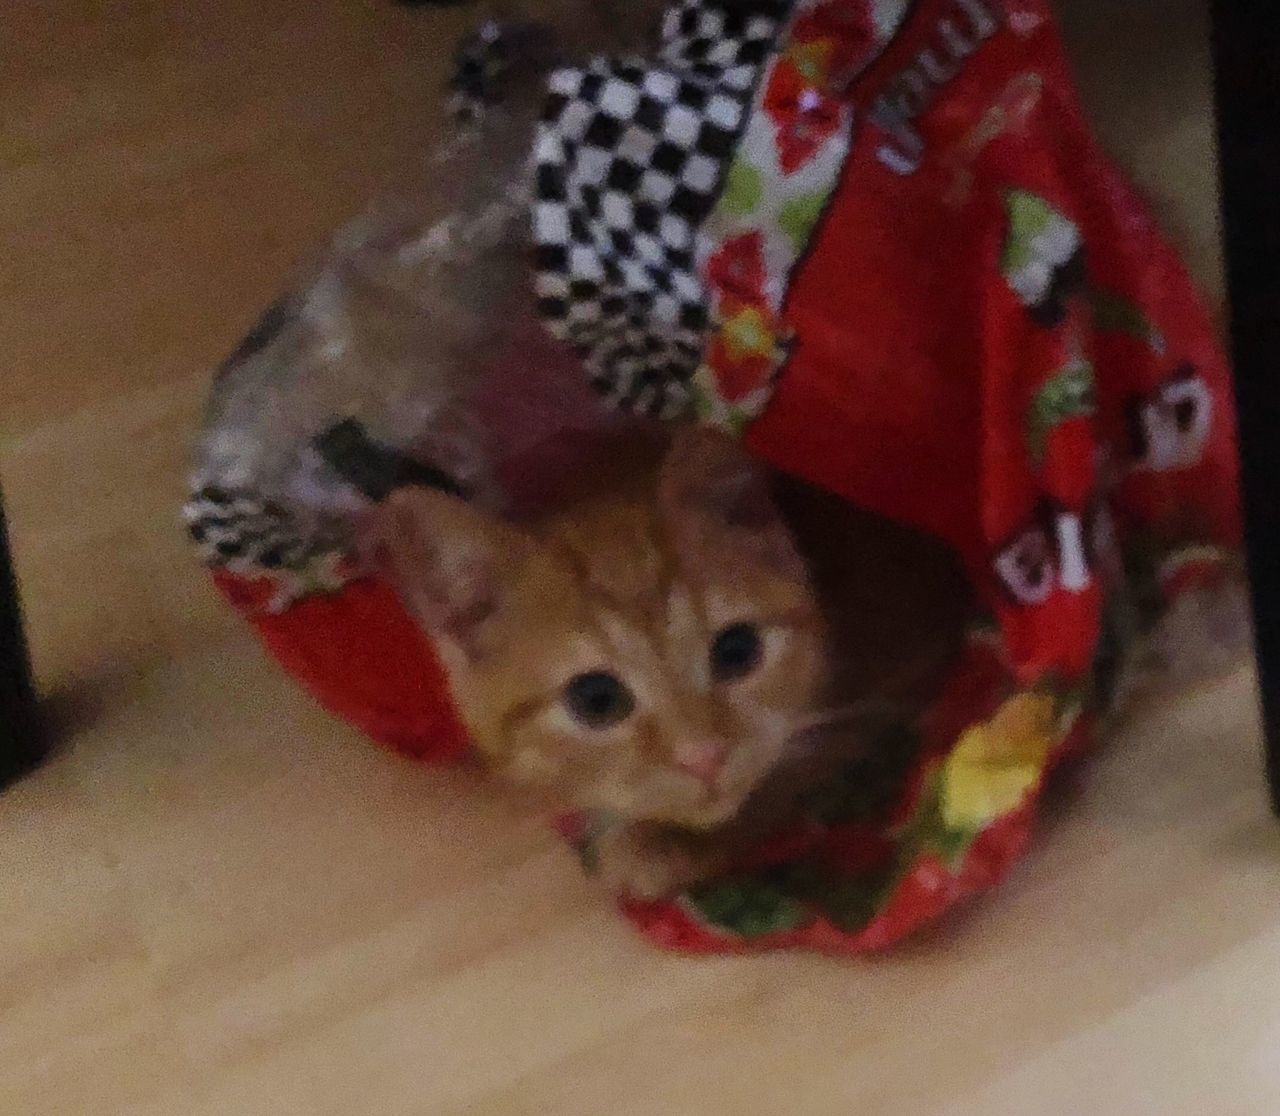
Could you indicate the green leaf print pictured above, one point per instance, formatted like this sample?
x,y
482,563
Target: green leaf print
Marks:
x,y
949,844
852,902
799,215
847,900
1112,313
703,406
743,188
1068,395
927,831
1039,242
736,421
748,907
1029,216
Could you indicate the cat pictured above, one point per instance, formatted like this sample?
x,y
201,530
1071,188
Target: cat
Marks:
x,y
683,645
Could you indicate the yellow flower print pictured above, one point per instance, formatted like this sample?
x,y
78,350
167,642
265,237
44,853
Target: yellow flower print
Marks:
x,y
749,333
995,765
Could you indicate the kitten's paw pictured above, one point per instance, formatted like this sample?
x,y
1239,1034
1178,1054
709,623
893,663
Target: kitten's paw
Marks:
x,y
650,864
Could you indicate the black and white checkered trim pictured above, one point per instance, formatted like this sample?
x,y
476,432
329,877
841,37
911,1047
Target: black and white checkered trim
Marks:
x,y
237,529
629,163
481,62
726,45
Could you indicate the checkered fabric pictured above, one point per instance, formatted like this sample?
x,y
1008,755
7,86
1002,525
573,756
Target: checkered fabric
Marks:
x,y
629,162
239,529
480,63
242,531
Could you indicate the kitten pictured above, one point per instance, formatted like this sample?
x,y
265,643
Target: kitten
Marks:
x,y
657,651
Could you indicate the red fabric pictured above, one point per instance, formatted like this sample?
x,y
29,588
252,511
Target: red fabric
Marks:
x,y
360,656
915,363
913,386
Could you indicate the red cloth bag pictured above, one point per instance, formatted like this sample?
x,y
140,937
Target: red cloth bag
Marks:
x,y
951,310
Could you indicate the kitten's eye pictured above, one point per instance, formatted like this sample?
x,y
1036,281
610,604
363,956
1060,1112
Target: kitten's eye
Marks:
x,y
736,652
598,700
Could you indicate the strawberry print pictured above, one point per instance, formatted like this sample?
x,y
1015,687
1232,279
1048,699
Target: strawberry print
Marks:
x,y
737,268
835,36
804,115
775,192
745,353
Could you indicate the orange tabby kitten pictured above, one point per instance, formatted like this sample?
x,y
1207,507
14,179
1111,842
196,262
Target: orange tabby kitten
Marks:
x,y
657,651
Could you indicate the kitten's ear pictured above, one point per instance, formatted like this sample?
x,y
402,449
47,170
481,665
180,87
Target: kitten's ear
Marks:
x,y
451,563
716,495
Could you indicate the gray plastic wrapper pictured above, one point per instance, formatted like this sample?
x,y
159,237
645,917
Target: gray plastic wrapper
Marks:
x,y
408,352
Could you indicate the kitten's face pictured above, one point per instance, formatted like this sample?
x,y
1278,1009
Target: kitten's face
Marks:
x,y
649,654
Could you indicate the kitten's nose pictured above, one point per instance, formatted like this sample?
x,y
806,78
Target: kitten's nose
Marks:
x,y
703,759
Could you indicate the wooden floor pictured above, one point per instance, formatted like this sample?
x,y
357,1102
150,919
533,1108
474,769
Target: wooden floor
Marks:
x,y
216,900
